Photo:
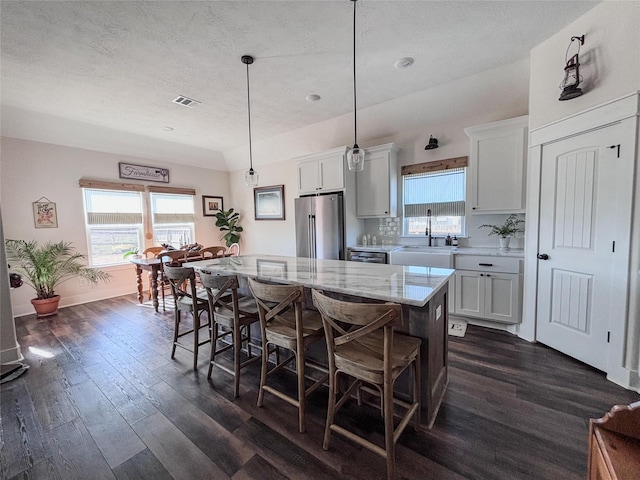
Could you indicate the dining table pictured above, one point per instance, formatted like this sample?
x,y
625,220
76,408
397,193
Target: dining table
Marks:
x,y
421,291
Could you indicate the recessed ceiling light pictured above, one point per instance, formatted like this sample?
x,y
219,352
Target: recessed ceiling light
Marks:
x,y
167,129
314,97
404,62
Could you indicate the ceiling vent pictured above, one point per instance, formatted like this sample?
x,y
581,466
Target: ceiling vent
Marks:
x,y
186,101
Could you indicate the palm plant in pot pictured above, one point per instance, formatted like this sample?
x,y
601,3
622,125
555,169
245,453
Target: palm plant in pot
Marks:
x,y
44,267
508,229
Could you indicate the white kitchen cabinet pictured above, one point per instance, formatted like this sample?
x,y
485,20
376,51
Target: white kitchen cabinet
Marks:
x,y
377,184
321,172
497,166
489,288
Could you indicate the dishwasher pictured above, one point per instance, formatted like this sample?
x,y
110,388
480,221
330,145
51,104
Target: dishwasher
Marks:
x,y
367,257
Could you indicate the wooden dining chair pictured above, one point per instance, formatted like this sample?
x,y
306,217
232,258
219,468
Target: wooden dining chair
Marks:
x,y
186,299
363,346
233,250
214,252
232,315
285,324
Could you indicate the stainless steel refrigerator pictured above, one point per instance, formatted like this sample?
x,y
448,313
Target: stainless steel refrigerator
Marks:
x,y
320,226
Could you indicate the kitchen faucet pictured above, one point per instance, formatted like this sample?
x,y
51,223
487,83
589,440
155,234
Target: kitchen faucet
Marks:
x,y
428,230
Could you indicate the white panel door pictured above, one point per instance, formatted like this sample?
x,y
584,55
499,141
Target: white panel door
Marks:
x,y
577,229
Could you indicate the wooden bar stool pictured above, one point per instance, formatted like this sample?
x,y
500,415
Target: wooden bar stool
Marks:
x,y
234,315
362,345
169,257
285,324
186,299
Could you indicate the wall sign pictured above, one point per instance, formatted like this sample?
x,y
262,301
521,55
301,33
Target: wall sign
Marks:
x,y
143,172
45,214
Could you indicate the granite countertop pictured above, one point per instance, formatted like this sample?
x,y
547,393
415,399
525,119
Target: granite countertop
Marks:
x,y
375,248
392,283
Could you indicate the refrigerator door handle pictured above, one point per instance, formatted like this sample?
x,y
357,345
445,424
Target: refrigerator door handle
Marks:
x,y
314,246
309,236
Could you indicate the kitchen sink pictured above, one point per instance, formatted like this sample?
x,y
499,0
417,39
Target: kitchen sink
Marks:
x,y
423,256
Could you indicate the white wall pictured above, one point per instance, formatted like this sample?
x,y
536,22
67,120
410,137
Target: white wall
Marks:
x,y
609,62
31,170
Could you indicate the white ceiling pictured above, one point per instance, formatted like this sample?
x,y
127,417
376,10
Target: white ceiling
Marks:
x,y
109,70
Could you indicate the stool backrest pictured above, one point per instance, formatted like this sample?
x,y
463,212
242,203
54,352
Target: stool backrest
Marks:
x,y
172,257
217,284
182,281
273,300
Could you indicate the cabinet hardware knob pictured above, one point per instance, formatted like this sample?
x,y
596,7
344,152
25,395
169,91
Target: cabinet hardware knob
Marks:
x,y
482,274
488,275
543,256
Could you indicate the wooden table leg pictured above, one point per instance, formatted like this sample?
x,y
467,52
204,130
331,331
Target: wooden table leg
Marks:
x,y
154,287
139,283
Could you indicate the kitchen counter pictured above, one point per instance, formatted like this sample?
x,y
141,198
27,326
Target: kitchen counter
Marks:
x,y
376,248
495,252
423,293
390,283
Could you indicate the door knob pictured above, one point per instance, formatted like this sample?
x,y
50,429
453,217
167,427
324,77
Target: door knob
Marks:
x,y
543,256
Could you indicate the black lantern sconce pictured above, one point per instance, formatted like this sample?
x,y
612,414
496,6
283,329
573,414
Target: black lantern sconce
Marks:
x,y
433,143
572,78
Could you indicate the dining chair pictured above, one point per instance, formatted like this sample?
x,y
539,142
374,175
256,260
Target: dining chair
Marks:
x,y
233,250
285,324
362,345
214,252
186,299
232,315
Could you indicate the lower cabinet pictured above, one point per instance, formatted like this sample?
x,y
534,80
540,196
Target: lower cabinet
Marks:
x,y
490,292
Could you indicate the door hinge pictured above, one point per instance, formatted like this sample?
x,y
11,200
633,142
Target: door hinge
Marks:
x,y
608,337
616,146
613,246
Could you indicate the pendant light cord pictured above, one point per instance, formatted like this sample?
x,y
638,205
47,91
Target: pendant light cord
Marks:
x,y
355,103
249,110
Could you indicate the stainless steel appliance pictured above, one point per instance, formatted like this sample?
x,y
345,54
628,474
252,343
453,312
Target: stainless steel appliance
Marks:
x,y
367,256
320,226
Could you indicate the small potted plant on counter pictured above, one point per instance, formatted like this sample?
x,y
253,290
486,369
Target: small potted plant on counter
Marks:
x,y
45,267
508,229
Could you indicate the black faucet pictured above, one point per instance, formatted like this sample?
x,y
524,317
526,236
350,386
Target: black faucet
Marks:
x,y
428,231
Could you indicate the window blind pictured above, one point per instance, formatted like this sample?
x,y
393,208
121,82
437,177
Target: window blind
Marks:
x,y
110,207
442,192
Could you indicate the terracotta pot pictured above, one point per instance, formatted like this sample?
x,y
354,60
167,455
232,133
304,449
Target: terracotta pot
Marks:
x,y
46,306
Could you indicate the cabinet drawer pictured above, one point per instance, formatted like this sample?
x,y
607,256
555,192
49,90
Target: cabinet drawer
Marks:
x,y
488,264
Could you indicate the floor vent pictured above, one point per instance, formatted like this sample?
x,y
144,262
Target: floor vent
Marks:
x,y
186,101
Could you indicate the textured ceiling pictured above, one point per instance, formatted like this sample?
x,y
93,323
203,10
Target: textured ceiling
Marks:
x,y
117,65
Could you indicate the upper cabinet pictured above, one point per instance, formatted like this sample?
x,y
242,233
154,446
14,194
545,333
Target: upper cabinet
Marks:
x,y
497,166
321,172
377,184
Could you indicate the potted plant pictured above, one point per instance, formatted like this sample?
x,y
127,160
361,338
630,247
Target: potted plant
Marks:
x,y
508,229
227,221
134,252
44,267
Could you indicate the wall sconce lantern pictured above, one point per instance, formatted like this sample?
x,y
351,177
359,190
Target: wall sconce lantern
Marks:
x,y
572,78
433,143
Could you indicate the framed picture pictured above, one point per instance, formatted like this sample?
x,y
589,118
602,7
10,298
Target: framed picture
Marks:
x,y
143,172
269,202
210,205
45,214
271,268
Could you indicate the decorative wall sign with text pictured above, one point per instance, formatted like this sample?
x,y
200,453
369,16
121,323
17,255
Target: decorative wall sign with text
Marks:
x,y
45,214
143,172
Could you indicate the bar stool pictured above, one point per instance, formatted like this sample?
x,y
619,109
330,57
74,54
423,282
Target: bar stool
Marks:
x,y
362,345
235,315
284,324
186,299
168,257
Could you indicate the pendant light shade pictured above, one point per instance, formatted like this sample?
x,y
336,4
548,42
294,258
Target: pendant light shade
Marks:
x,y
355,156
250,176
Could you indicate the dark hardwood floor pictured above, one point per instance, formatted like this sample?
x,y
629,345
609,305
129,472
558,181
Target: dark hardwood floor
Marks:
x,y
102,399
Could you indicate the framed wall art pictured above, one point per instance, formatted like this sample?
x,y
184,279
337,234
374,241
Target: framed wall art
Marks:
x,y
211,205
269,202
45,214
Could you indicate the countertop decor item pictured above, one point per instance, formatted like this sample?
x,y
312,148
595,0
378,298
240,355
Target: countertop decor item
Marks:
x,y
227,221
355,156
508,229
44,267
251,176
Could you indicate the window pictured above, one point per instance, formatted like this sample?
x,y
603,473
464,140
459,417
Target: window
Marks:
x,y
173,219
114,224
440,192
119,217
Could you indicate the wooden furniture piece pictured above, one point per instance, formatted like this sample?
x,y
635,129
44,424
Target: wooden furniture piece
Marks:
x,y
151,252
216,251
185,295
614,444
361,344
422,291
232,315
169,257
284,323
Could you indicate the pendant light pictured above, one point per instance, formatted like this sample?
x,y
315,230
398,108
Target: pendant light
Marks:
x,y
355,156
250,176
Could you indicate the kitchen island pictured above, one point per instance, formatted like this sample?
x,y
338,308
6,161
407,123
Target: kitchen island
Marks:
x,y
422,292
